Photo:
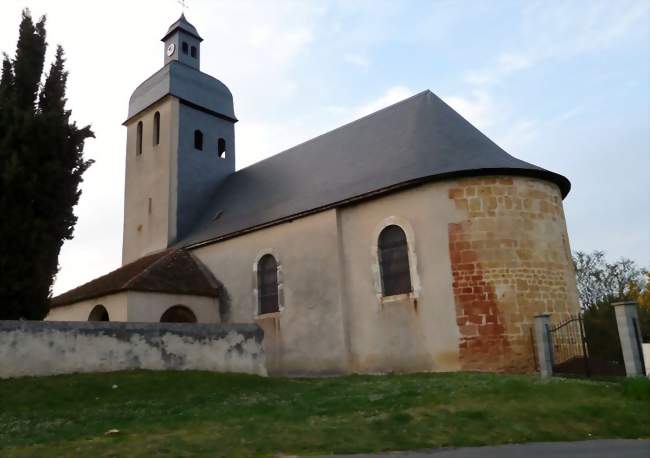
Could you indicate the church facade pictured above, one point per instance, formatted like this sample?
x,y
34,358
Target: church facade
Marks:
x,y
403,241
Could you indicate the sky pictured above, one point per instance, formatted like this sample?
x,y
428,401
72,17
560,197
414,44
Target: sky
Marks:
x,y
562,84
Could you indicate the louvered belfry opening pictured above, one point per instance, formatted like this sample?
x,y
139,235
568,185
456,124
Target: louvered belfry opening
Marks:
x,y
267,281
394,261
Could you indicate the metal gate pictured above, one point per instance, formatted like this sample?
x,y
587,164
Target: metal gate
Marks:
x,y
579,350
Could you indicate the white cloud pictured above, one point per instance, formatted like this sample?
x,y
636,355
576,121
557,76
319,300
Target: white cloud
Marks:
x,y
547,32
559,31
506,64
478,108
496,119
392,95
357,60
335,109
569,114
518,134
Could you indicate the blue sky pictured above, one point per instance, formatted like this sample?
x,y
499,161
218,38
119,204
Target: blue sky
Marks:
x,y
565,85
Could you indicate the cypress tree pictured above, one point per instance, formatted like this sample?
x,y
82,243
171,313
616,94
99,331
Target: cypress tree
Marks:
x,y
41,167
6,79
6,93
30,56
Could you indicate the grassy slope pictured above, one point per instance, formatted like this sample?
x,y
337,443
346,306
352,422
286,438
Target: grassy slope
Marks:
x,y
195,413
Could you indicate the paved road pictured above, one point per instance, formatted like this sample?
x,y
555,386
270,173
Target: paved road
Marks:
x,y
623,448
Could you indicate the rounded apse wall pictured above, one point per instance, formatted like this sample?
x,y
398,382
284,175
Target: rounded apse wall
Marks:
x,y
510,261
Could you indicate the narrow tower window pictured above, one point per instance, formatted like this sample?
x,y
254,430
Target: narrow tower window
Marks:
x,y
156,128
198,140
193,51
184,47
138,140
221,148
394,261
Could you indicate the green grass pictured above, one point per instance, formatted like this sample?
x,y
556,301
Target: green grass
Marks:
x,y
205,414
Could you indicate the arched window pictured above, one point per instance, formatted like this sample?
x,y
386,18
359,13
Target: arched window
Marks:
x,y
267,284
178,314
138,140
184,46
99,313
394,261
198,140
193,51
156,128
221,148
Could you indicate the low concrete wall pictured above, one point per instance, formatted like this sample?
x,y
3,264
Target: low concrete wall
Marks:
x,y
30,348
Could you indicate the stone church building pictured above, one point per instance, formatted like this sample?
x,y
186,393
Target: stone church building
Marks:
x,y
404,241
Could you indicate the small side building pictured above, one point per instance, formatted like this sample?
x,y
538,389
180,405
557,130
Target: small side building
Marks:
x,y
168,286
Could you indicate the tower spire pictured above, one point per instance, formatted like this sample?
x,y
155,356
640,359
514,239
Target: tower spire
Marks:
x,y
182,43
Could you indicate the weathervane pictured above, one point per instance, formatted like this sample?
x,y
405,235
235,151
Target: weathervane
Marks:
x,y
183,4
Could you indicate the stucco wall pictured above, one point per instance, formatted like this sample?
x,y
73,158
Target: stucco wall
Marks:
x,y
149,307
115,304
150,175
486,255
30,348
511,260
417,332
307,335
137,306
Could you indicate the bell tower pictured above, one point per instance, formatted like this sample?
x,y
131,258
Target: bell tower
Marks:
x,y
183,44
180,146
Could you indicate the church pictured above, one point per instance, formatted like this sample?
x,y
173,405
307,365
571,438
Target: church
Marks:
x,y
403,241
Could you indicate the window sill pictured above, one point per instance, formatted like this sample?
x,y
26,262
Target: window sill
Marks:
x,y
400,298
268,316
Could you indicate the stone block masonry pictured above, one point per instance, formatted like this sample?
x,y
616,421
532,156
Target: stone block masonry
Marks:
x,y
510,261
30,348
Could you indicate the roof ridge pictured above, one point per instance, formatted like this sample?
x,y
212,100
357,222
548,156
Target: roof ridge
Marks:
x,y
368,116
149,267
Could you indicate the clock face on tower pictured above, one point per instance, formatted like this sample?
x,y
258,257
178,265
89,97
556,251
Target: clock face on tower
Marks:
x,y
170,49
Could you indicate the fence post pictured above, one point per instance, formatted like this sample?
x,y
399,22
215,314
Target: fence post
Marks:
x,y
542,342
627,319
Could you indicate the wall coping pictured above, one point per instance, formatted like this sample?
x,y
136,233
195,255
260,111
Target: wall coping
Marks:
x,y
211,330
618,304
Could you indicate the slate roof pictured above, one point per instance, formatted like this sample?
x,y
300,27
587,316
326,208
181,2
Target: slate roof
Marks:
x,y
418,139
170,271
186,83
184,25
